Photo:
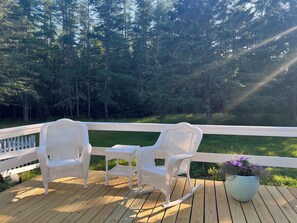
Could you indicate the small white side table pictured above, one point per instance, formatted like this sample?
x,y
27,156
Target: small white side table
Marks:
x,y
124,152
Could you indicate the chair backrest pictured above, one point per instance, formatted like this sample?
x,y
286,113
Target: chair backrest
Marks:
x,y
181,138
64,138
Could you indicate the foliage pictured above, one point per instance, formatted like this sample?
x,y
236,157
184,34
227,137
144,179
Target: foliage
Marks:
x,y
7,183
125,58
284,181
242,167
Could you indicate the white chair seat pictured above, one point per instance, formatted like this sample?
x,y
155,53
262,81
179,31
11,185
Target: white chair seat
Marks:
x,y
66,162
159,170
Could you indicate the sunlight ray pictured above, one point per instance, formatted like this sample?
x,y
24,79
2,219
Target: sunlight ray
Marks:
x,y
263,83
217,64
266,41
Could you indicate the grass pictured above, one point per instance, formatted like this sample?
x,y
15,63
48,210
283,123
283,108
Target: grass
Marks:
x,y
264,146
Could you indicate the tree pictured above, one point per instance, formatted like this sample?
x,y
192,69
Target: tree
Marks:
x,y
17,45
109,31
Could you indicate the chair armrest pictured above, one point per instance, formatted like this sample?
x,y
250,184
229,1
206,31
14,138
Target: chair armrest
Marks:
x,y
85,159
42,156
86,153
175,162
145,157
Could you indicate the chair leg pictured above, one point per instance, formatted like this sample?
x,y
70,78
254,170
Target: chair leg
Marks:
x,y
45,188
86,183
106,174
167,198
139,181
189,181
185,197
130,183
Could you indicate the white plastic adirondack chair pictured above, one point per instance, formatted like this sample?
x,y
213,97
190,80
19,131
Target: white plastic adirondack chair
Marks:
x,y
179,143
64,151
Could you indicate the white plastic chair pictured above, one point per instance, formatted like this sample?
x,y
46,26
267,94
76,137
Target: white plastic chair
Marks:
x,y
64,151
178,143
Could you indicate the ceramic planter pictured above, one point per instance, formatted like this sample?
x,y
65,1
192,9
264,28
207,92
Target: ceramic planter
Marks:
x,y
242,188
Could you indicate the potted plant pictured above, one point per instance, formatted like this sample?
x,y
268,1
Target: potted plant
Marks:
x,y
242,178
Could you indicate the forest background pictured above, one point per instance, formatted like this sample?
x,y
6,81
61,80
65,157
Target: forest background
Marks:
x,y
200,61
139,58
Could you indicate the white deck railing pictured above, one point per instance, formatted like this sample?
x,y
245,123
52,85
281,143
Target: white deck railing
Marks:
x,y
13,159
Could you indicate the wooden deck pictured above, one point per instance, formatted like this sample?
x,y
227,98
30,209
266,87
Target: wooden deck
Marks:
x,y
67,201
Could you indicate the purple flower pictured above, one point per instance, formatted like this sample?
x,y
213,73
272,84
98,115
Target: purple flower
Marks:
x,y
234,162
243,167
243,158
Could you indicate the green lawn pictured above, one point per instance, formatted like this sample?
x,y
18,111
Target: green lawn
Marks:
x,y
266,146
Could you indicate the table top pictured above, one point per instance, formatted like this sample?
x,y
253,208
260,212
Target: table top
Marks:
x,y
123,149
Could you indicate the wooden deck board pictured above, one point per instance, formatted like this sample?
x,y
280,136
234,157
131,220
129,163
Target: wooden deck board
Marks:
x,y
210,202
289,197
250,212
89,204
121,208
134,208
147,208
293,191
197,212
158,211
261,209
235,209
184,214
274,209
67,201
171,212
106,202
224,214
283,204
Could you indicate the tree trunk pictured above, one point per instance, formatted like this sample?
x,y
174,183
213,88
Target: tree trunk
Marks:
x,y
208,110
294,106
77,97
106,90
106,111
89,95
88,65
26,108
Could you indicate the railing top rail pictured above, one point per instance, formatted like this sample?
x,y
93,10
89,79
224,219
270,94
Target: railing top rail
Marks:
x,y
158,127
20,131
207,129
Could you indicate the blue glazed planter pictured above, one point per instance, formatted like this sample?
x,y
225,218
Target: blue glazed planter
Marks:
x,y
242,188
